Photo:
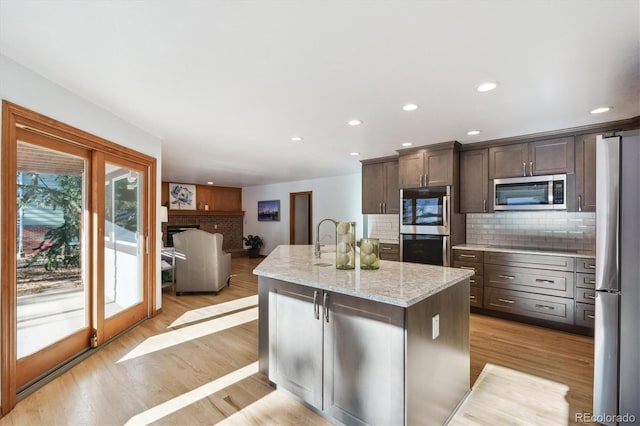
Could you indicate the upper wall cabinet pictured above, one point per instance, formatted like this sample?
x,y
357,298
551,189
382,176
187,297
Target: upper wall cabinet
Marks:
x,y
474,181
586,173
547,157
428,167
380,191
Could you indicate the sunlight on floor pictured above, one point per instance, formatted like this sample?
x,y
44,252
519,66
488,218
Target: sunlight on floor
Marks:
x,y
185,334
179,402
215,310
505,396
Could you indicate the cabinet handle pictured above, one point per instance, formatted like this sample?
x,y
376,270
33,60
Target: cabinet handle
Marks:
x,y
545,307
325,306
472,281
524,168
386,248
468,256
509,277
316,305
579,203
472,297
468,268
589,266
589,281
591,316
384,207
589,296
484,205
530,168
507,301
540,280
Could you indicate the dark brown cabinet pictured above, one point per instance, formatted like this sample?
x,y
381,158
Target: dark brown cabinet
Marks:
x,y
547,157
380,192
586,173
390,251
427,167
472,260
474,181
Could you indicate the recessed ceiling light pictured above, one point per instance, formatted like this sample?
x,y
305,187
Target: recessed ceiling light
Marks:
x,y
355,122
473,132
354,153
410,107
209,183
485,87
601,110
296,138
407,144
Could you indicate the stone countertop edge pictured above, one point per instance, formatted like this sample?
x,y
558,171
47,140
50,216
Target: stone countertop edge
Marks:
x,y
395,283
550,252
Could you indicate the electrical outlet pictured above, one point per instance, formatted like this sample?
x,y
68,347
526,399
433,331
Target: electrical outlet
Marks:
x,y
435,326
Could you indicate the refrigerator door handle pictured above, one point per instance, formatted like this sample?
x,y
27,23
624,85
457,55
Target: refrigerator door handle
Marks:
x,y
607,212
605,368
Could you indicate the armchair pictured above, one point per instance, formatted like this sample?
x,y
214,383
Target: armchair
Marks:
x,y
201,265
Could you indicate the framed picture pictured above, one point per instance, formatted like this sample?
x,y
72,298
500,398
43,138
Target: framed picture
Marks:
x,y
269,211
182,196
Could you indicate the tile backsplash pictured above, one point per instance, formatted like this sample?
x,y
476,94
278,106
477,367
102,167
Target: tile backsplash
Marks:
x,y
386,227
543,230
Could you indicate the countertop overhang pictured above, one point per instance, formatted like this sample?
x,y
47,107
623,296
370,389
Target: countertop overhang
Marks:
x,y
395,283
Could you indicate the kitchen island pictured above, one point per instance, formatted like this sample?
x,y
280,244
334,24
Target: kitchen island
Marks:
x,y
388,346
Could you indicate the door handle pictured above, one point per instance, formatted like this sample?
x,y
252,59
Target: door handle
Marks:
x,y
507,301
508,277
325,306
445,245
484,205
524,168
384,207
579,203
445,210
530,168
316,306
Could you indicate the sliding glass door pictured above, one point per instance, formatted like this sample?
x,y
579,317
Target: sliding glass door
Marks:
x,y
52,291
124,246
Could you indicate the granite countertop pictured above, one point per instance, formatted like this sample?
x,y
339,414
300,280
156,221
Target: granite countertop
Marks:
x,y
526,250
395,283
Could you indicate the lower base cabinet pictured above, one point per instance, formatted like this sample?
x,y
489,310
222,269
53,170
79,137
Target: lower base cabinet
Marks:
x,y
365,362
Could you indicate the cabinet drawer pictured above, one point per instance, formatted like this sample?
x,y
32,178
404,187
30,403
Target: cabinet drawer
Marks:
x,y
477,268
476,281
390,252
468,255
585,295
585,315
556,263
475,297
542,281
585,280
586,265
531,305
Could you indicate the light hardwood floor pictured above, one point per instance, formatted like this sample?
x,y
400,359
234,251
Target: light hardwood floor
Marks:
x,y
196,363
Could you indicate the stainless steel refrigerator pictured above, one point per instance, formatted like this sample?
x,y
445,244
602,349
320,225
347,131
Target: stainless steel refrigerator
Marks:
x,y
616,395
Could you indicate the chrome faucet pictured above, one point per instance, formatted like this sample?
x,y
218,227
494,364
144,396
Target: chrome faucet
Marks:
x,y
317,245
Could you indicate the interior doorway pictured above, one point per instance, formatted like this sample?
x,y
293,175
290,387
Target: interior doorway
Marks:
x,y
300,217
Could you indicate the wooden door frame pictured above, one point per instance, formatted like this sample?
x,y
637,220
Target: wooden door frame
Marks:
x,y
292,215
13,117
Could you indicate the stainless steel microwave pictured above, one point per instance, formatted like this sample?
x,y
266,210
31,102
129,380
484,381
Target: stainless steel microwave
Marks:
x,y
530,193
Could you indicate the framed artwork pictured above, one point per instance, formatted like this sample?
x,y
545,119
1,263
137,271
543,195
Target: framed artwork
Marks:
x,y
269,211
182,196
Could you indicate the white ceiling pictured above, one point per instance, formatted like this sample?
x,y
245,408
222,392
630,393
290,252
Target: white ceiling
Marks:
x,y
226,84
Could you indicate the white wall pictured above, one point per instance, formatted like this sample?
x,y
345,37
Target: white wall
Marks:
x,y
339,198
30,90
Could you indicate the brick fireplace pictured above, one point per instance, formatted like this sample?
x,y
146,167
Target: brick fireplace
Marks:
x,y
230,226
